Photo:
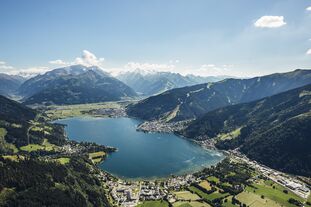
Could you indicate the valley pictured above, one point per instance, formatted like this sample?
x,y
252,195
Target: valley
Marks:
x,y
155,103
166,170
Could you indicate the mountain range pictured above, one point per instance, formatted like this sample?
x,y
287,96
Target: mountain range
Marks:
x,y
274,131
152,82
74,85
194,101
9,84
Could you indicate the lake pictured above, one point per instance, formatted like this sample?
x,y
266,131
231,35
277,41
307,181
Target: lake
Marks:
x,y
140,155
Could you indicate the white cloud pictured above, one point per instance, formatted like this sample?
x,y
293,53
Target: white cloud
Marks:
x,y
29,72
308,8
4,67
308,52
58,62
89,59
270,22
210,70
144,68
149,66
26,72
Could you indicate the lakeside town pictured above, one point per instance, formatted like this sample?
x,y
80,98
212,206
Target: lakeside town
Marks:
x,y
130,193
162,127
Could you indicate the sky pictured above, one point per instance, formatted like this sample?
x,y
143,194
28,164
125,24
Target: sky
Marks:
x,y
203,37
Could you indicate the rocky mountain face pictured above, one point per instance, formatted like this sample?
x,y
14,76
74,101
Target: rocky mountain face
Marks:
x,y
151,83
73,85
9,84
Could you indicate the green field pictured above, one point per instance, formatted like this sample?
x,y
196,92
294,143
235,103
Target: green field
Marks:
x,y
32,147
190,204
206,185
231,135
60,112
153,204
228,203
63,160
13,157
206,196
186,195
275,194
255,200
44,146
97,157
213,179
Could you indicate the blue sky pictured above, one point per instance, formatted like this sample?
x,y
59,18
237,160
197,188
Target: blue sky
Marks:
x,y
206,37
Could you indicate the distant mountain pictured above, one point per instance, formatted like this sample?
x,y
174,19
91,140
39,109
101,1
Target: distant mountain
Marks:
x,y
193,101
151,83
9,84
73,85
274,130
40,82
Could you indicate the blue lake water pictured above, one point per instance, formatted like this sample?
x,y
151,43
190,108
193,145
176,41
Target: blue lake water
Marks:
x,y
140,155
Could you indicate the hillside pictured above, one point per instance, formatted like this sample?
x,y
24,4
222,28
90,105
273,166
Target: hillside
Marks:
x,y
13,111
274,130
74,85
32,182
19,127
151,83
193,101
30,173
9,84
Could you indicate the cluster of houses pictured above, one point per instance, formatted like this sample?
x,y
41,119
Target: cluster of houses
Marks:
x,y
130,193
158,126
151,191
110,112
125,194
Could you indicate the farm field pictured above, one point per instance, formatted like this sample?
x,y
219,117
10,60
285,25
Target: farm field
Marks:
x,y
206,196
213,179
275,193
97,157
206,185
255,200
63,160
153,204
60,112
186,195
35,147
190,204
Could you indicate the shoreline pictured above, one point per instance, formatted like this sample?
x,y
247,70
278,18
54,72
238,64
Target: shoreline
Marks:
x,y
182,173
208,145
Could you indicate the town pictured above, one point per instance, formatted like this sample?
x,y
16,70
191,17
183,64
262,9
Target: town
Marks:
x,y
130,193
162,127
